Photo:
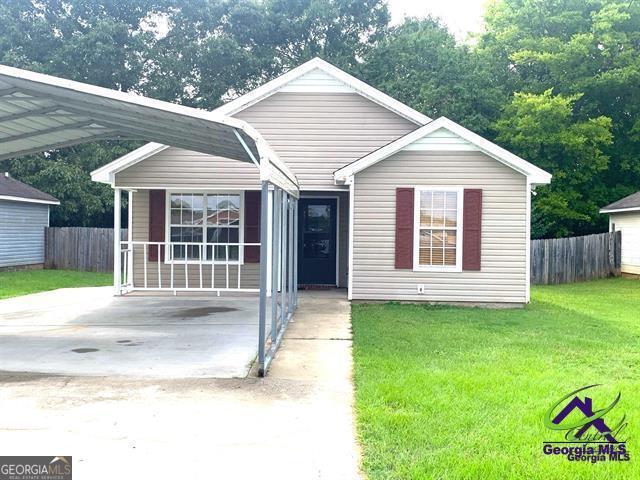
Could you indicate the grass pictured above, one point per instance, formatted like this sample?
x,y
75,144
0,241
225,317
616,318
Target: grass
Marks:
x,y
460,393
23,282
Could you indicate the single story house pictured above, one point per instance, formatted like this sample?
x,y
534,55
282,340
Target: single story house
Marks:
x,y
24,213
624,216
313,179
393,205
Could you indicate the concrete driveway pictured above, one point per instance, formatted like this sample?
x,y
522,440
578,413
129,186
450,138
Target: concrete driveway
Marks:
x,y
297,423
89,332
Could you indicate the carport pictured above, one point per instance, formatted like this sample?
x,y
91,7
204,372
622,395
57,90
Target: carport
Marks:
x,y
39,113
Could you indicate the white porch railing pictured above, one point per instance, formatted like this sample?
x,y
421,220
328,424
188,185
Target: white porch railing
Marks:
x,y
187,266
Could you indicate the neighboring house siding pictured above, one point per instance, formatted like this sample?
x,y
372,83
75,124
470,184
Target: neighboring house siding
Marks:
x,y
22,233
629,224
313,133
249,271
502,277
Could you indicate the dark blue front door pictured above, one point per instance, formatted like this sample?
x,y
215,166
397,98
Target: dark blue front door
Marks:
x,y
317,241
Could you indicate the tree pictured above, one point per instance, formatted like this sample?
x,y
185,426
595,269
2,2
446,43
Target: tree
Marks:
x,y
214,50
543,129
194,52
102,43
587,51
420,64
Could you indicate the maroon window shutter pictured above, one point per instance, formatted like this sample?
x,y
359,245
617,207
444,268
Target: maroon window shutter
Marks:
x,y
471,229
157,207
252,226
404,228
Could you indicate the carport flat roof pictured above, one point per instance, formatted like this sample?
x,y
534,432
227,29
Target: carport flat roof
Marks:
x,y
41,112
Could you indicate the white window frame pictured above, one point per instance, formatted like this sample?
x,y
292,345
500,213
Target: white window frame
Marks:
x,y
167,228
416,229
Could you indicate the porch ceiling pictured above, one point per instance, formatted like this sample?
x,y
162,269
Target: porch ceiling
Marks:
x,y
41,112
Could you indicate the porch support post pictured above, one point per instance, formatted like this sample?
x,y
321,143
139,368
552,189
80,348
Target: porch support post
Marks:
x,y
284,307
275,263
264,261
129,280
290,257
295,253
117,193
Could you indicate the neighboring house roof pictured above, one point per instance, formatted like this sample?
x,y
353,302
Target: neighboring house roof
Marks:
x,y
630,203
315,75
16,191
469,141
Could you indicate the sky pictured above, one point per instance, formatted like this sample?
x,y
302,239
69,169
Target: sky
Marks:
x,y
461,16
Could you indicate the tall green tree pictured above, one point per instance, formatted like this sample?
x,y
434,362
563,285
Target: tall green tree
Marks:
x,y
587,51
420,63
102,43
194,52
542,128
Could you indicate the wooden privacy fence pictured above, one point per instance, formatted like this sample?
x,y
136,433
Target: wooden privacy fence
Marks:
x,y
80,248
575,259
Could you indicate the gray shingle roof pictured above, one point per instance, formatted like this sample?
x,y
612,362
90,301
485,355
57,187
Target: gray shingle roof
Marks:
x,y
10,187
632,201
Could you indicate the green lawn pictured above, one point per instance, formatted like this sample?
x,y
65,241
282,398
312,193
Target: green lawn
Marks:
x,y
456,393
23,282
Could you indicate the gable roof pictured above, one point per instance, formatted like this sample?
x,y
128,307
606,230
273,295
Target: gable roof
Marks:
x,y
629,203
17,191
534,174
315,75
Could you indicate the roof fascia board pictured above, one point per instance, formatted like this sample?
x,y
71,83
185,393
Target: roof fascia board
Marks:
x,y
535,174
620,210
28,200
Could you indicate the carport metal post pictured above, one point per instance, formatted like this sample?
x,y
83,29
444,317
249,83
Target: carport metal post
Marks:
x,y
275,262
295,253
284,298
290,258
264,261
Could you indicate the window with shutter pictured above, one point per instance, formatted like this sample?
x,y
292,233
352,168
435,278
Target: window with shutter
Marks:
x,y
438,229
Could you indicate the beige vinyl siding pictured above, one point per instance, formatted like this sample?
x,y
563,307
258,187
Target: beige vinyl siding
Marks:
x,y
315,134
502,277
249,273
177,168
629,224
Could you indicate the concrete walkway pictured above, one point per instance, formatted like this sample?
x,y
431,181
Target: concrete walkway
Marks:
x,y
296,423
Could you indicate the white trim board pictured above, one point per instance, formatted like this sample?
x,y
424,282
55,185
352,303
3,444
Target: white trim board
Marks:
x,y
620,210
28,200
534,174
